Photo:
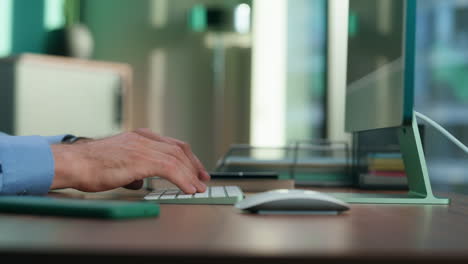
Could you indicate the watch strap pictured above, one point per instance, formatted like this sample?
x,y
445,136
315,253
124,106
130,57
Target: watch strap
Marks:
x,y
70,139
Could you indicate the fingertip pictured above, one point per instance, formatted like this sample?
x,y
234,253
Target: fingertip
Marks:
x,y
200,186
203,187
191,190
205,176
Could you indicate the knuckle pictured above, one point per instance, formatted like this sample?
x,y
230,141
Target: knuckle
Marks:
x,y
135,146
194,177
144,131
130,136
177,151
185,146
139,130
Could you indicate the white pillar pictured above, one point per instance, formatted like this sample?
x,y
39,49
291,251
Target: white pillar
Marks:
x,y
337,60
269,69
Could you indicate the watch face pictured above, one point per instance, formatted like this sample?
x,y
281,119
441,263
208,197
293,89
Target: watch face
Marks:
x,y
68,139
75,139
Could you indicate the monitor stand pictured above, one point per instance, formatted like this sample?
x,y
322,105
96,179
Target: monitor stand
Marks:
x,y
419,185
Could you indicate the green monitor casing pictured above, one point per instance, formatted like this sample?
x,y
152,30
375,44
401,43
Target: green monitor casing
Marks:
x,y
380,90
380,64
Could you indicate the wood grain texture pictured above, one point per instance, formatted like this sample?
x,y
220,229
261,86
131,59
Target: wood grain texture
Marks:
x,y
207,234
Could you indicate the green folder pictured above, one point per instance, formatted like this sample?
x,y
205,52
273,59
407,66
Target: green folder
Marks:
x,y
108,209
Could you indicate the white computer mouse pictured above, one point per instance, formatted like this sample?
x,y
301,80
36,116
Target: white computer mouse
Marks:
x,y
292,200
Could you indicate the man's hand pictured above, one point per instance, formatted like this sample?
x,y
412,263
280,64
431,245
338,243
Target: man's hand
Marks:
x,y
125,160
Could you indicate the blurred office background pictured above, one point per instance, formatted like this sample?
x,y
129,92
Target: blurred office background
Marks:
x,y
215,73
442,84
193,62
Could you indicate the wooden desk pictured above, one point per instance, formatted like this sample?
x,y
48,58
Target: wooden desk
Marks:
x,y
221,234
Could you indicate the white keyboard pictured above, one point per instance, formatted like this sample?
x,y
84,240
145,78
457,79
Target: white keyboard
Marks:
x,y
212,195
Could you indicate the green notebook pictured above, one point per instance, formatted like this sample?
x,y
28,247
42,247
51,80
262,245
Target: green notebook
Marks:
x,y
108,209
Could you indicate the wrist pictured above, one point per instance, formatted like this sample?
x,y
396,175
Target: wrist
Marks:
x,y
66,159
70,139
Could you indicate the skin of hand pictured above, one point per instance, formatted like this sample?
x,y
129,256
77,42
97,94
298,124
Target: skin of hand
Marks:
x,y
124,160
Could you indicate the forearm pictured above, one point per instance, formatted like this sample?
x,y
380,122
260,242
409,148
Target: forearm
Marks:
x,y
27,165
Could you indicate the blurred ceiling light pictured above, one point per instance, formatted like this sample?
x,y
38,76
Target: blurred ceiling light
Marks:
x,y
54,17
269,73
159,12
242,18
353,22
198,18
5,27
157,92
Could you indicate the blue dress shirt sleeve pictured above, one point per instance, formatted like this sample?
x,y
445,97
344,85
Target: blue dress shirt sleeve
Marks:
x,y
26,164
55,139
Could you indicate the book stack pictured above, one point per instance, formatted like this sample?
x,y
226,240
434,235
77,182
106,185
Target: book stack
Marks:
x,y
321,163
306,171
384,170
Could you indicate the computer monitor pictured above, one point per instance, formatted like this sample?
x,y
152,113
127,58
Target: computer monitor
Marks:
x,y
380,87
380,72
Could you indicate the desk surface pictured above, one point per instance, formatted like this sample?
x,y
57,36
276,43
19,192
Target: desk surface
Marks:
x,y
207,234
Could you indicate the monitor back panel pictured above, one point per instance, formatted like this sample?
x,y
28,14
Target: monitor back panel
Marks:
x,y
380,64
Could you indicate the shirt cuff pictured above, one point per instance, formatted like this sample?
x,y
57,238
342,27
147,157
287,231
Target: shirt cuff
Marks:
x,y
55,139
27,165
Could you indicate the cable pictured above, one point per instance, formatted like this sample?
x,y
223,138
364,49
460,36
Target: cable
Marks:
x,y
443,131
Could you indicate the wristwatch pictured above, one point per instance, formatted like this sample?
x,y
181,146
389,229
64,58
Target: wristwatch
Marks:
x,y
70,139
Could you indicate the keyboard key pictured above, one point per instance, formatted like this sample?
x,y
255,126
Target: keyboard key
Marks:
x,y
154,195
213,195
176,190
217,191
170,194
203,194
233,191
165,197
184,196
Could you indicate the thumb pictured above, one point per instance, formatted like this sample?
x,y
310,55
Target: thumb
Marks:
x,y
136,185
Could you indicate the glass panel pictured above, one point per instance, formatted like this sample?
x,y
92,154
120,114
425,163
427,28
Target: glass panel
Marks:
x,y
442,84
306,66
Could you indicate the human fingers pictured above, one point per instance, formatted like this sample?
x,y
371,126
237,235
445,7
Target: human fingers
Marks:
x,y
170,149
202,173
162,161
183,173
164,166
